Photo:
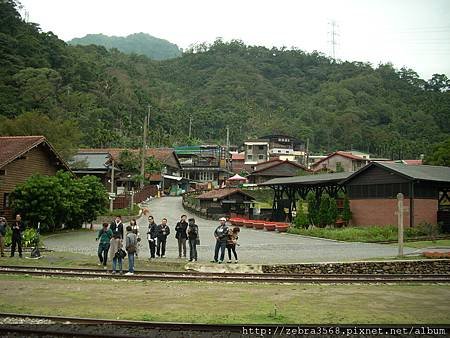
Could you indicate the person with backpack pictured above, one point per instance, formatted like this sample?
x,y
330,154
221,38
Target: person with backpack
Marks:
x,y
181,235
151,236
115,253
104,235
194,239
130,247
163,231
232,242
221,235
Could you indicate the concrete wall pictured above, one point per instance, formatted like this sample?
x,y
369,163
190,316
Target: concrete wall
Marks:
x,y
367,212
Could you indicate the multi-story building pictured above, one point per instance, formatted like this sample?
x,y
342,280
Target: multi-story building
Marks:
x,y
203,163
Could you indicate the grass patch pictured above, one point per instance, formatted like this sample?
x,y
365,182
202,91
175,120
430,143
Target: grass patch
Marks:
x,y
361,234
198,302
426,244
78,260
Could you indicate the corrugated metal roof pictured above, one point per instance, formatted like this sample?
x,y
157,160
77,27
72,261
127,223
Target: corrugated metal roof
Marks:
x,y
419,172
93,160
309,179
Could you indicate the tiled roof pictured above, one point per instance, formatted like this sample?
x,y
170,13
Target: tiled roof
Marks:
x,y
277,163
238,156
221,193
340,153
12,147
165,155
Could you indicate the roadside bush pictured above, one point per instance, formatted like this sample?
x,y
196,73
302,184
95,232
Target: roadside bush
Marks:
x,y
30,237
59,199
301,219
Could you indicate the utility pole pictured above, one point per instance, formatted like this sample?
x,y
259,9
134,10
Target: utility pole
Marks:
x,y
333,40
228,149
111,195
144,146
307,153
190,127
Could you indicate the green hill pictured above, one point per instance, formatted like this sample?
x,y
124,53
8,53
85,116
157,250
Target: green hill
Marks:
x,y
139,43
103,95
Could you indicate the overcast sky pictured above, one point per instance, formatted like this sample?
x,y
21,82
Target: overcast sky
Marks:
x,y
411,33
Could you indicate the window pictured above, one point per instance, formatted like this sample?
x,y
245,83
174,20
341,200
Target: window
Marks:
x,y
2,172
249,157
339,167
279,151
249,147
261,147
5,200
261,157
287,151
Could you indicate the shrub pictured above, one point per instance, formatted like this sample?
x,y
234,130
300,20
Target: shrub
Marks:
x,y
333,211
346,212
301,219
30,237
324,211
313,212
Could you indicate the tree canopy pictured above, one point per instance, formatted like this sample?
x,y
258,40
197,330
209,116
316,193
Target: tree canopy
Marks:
x,y
105,94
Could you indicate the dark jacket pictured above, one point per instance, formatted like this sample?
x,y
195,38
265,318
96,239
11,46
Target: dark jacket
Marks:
x,y
221,233
117,228
192,231
17,228
162,232
3,228
181,228
152,232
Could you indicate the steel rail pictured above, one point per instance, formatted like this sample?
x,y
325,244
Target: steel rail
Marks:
x,y
253,278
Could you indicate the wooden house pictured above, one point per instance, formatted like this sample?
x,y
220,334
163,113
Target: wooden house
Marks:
x,y
275,168
20,158
225,201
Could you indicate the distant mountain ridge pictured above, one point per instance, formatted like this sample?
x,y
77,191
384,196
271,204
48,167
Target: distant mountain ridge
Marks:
x,y
138,43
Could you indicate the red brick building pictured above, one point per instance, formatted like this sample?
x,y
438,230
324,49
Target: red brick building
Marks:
x,y
373,190
20,158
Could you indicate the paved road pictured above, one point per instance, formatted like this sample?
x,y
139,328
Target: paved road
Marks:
x,y
256,246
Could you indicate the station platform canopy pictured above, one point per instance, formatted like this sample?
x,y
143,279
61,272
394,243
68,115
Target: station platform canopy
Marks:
x,y
288,190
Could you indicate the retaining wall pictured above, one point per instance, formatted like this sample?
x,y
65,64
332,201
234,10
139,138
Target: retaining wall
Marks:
x,y
431,266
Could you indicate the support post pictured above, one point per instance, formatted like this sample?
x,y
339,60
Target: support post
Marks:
x,y
400,223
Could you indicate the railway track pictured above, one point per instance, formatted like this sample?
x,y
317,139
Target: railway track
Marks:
x,y
228,277
56,326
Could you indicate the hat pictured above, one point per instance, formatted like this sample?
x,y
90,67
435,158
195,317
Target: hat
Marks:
x,y
222,219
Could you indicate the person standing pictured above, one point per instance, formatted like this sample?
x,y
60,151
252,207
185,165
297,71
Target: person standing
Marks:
x,y
104,235
221,235
194,238
232,242
163,231
115,246
3,225
135,229
151,236
130,246
181,235
17,228
117,226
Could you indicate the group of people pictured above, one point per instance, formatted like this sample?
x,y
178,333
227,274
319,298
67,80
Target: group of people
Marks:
x,y
185,231
17,228
111,238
